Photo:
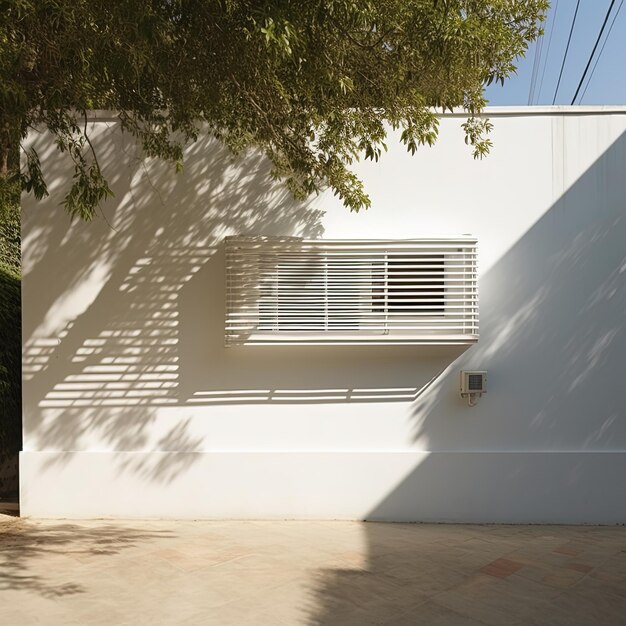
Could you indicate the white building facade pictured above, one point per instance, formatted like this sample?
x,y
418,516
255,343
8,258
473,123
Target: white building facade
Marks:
x,y
134,406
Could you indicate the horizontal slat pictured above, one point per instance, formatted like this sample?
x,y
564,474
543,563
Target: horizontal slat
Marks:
x,y
371,246
353,312
362,324
341,279
252,303
355,256
364,269
338,286
328,339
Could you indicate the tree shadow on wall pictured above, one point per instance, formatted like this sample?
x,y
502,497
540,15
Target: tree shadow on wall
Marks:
x,y
134,324
101,338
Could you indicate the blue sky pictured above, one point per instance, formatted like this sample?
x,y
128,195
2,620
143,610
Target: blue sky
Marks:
x,y
608,84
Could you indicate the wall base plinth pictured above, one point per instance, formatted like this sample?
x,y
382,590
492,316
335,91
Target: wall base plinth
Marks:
x,y
503,487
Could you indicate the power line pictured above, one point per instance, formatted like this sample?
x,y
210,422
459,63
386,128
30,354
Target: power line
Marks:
x,y
533,78
582,78
593,69
571,30
545,63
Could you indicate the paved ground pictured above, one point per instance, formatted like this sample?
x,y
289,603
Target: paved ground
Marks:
x,y
158,572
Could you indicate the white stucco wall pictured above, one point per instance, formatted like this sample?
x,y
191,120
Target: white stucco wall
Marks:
x,y
134,407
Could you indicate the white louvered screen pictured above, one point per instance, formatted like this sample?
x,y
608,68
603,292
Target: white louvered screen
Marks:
x,y
291,290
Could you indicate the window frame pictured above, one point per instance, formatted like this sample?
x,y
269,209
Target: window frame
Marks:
x,y
295,287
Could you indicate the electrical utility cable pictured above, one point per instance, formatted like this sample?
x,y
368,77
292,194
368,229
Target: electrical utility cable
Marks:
x,y
536,63
608,34
582,78
545,62
571,30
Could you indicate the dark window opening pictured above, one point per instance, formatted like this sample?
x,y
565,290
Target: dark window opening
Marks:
x,y
413,284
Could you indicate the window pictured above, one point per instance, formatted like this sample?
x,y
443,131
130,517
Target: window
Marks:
x,y
290,290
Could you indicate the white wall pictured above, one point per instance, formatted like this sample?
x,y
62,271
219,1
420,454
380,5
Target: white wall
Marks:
x,y
134,407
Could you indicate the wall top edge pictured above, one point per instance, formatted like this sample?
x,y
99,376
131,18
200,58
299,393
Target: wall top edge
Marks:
x,y
559,109
490,111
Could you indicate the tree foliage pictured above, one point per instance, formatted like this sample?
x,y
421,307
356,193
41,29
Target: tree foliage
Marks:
x,y
311,83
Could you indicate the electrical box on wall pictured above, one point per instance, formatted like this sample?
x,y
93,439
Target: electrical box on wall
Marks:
x,y
473,385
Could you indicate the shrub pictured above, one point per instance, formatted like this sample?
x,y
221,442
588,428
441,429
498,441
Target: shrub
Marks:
x,y
10,322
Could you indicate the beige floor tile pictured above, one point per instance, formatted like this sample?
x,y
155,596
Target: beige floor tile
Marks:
x,y
307,573
432,614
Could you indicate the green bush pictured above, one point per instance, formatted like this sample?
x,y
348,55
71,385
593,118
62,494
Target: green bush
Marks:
x,y
10,361
10,322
